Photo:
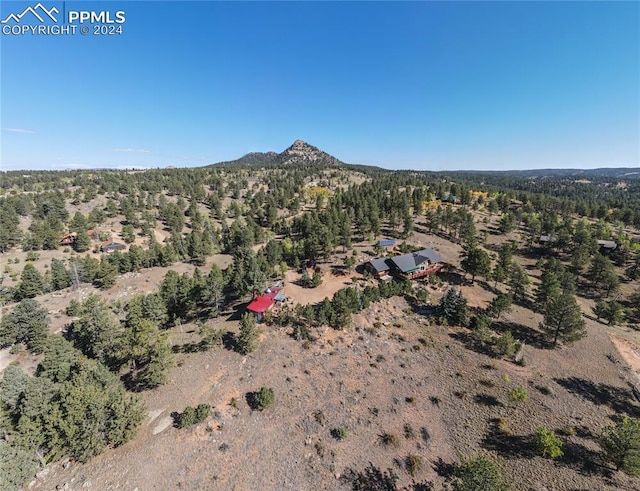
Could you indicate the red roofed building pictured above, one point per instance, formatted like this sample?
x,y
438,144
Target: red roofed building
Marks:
x,y
262,303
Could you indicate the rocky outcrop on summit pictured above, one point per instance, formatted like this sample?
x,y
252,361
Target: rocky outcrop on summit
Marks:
x,y
302,152
298,153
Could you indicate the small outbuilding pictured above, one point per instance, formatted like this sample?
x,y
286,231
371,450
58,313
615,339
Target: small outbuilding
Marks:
x,y
387,243
111,245
548,239
607,245
69,239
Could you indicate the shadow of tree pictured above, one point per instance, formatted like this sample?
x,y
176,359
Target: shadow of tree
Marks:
x,y
617,398
442,468
229,341
583,460
520,332
452,278
575,455
189,347
421,486
251,399
509,446
372,478
471,343
487,400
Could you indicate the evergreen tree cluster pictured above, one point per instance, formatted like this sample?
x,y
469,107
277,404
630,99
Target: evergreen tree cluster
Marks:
x,y
73,407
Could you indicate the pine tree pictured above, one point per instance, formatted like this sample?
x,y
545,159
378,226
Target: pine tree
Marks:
x,y
621,445
454,308
518,281
28,324
17,466
82,242
500,304
59,275
147,351
106,275
612,312
563,319
602,272
247,340
10,232
548,289
128,233
31,283
97,332
476,261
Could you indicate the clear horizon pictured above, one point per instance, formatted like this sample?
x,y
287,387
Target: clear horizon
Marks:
x,y
399,85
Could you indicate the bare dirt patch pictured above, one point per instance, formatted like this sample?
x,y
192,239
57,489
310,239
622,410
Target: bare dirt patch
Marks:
x,y
630,352
330,285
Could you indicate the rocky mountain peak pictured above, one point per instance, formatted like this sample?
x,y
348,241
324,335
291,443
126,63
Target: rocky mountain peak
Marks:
x,y
301,147
298,153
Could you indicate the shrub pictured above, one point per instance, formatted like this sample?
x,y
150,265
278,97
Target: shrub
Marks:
x,y
192,415
503,426
408,431
478,473
519,394
202,412
426,436
544,389
414,464
32,256
547,443
506,345
339,433
372,478
568,431
263,399
389,439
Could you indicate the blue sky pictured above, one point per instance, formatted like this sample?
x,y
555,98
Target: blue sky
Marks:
x,y
421,85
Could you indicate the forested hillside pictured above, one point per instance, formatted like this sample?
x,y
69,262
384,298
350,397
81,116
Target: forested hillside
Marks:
x,y
117,285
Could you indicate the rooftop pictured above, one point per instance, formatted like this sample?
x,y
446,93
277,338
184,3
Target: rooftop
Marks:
x,y
409,262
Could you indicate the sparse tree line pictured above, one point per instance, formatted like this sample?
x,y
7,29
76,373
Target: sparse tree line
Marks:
x,y
387,204
599,199
102,272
